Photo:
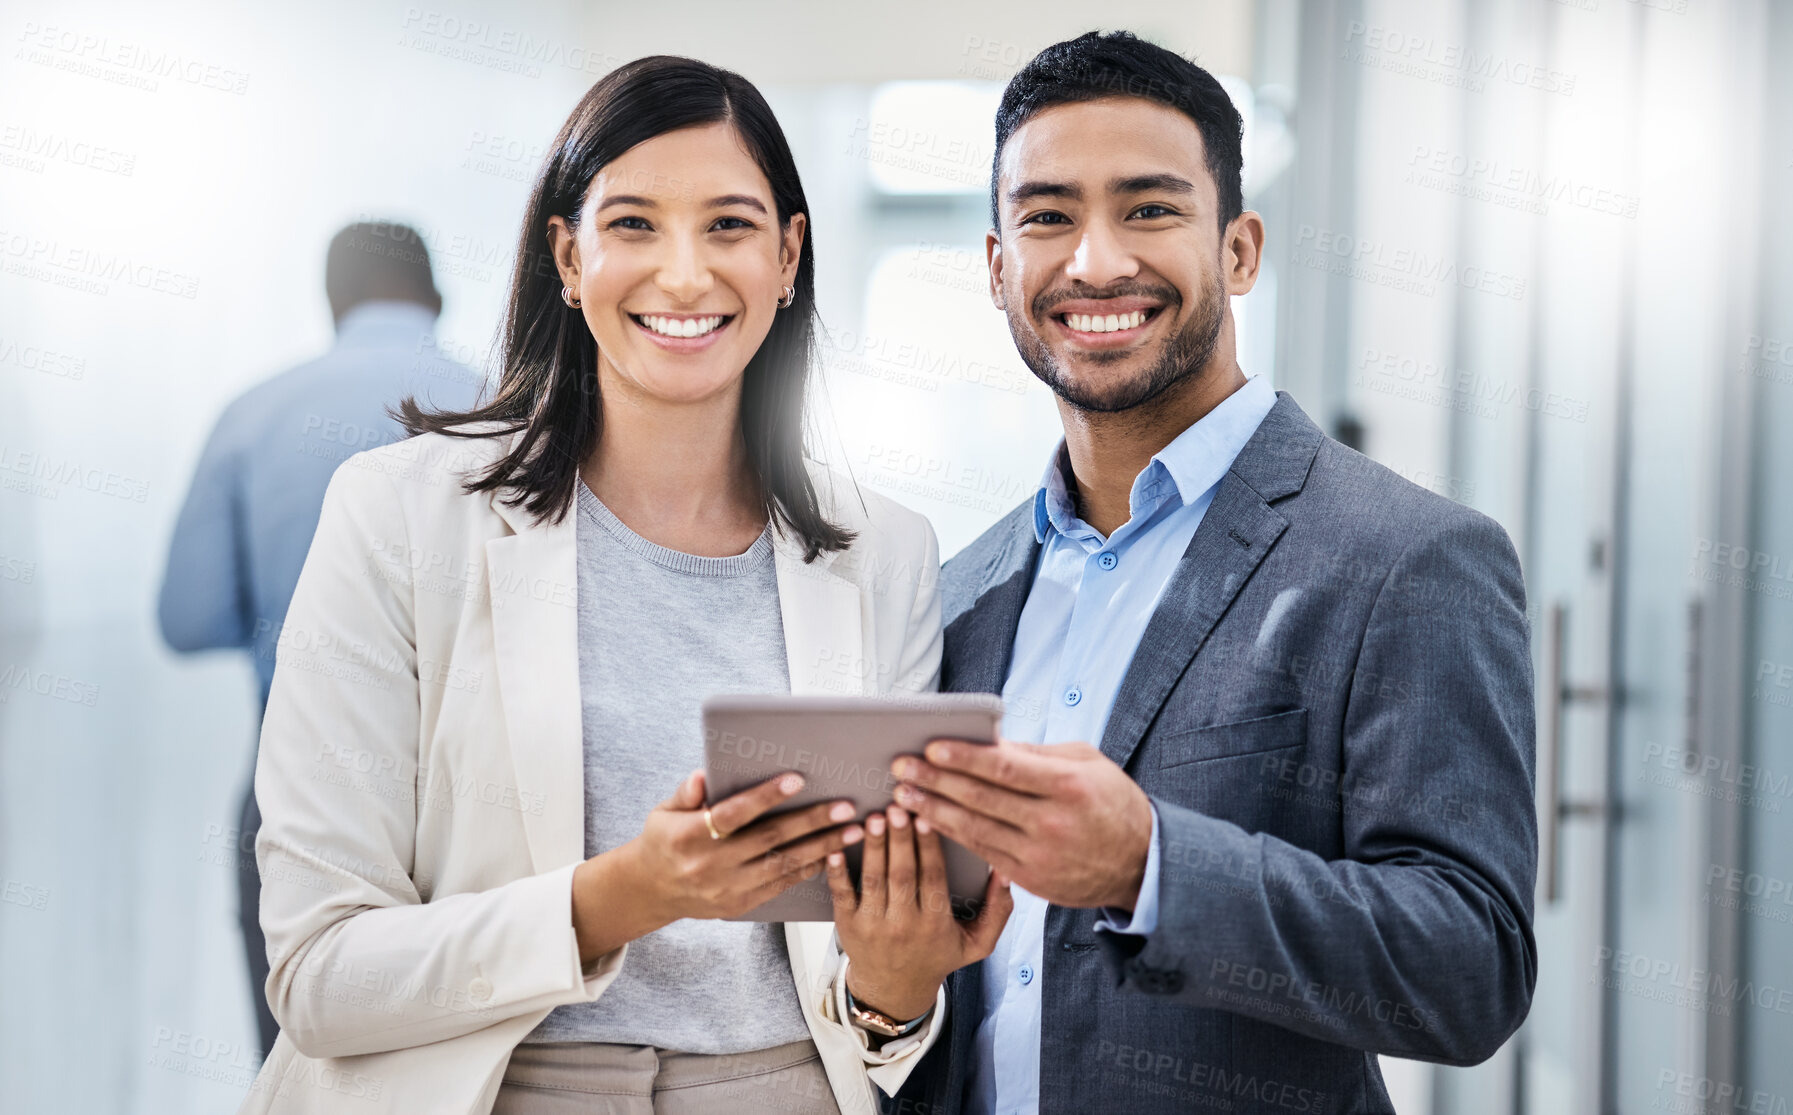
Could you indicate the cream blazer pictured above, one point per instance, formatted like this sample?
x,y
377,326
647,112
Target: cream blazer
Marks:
x,y
421,780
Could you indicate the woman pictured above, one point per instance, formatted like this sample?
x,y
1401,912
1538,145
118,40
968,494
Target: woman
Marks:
x,y
477,893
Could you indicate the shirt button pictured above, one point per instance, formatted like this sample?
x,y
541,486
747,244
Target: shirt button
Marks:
x,y
1025,975
1073,695
1108,560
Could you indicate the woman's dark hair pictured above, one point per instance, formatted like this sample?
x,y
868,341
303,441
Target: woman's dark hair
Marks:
x,y
1120,64
548,385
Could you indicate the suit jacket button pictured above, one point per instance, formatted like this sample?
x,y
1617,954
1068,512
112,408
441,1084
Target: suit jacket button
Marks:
x,y
480,989
1173,981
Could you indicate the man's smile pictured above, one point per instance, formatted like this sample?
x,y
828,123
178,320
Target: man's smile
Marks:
x,y
1105,323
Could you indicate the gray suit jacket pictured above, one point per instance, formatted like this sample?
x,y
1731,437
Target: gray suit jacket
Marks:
x,y
1332,711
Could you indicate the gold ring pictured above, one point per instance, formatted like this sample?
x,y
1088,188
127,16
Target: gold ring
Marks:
x,y
711,825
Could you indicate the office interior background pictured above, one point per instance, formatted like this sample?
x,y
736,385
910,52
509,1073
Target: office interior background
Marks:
x,y
1533,255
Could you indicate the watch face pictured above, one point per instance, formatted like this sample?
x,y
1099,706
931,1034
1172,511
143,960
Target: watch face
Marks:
x,y
876,1023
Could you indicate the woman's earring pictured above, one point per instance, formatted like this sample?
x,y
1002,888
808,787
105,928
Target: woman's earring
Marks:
x,y
786,297
566,295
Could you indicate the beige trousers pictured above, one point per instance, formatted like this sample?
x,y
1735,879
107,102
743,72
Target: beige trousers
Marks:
x,y
596,1078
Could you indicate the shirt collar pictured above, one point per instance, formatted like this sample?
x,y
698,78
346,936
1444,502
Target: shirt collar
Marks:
x,y
383,321
1192,463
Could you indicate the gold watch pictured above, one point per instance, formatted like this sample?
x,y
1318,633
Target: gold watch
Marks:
x,y
882,1024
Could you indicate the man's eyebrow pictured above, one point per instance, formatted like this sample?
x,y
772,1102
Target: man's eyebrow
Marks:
x,y
1027,191
627,199
1146,183
748,200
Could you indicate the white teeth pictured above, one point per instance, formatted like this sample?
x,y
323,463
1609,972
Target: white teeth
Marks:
x,y
682,326
1105,323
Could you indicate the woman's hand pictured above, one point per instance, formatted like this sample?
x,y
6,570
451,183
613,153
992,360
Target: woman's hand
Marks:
x,y
676,869
899,931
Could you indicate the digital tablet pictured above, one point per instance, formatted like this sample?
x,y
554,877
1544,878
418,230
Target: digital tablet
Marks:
x,y
843,747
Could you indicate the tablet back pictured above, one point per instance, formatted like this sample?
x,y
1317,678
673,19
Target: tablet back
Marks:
x,y
843,747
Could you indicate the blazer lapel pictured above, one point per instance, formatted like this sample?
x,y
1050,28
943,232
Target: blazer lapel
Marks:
x,y
981,641
533,579
824,627
1237,532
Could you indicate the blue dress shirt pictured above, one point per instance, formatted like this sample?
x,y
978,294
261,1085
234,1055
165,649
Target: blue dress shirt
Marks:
x,y
1089,604
247,523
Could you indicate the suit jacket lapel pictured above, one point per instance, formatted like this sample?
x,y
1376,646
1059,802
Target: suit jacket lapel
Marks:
x,y
1235,534
1239,529
981,641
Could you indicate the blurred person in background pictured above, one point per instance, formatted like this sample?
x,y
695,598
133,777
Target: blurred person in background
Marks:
x,y
492,881
248,519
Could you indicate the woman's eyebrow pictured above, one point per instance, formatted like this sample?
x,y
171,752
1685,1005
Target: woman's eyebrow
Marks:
x,y
747,200
627,199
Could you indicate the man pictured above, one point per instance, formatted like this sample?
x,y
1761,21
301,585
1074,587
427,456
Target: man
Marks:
x,y
1301,830
247,522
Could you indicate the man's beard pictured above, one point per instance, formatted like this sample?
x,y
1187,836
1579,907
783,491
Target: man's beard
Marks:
x,y
1184,355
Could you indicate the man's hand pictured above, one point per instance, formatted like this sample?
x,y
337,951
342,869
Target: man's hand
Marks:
x,y
1062,821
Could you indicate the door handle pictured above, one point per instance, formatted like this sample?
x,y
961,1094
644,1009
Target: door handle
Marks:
x,y
1558,696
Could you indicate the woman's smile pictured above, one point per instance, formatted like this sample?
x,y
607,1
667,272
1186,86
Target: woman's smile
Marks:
x,y
682,332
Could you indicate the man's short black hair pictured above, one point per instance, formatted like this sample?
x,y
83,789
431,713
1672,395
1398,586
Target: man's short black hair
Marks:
x,y
1120,64
372,260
